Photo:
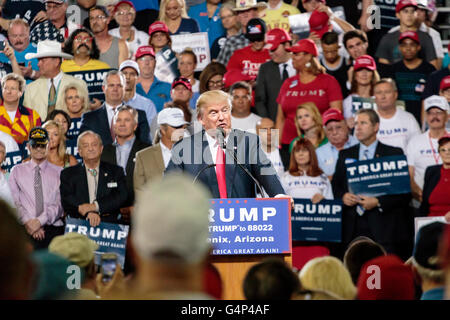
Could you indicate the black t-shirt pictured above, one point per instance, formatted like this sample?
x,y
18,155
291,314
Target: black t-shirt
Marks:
x,y
434,81
340,73
25,9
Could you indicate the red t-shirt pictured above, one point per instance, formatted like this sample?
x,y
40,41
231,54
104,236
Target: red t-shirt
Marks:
x,y
323,90
248,61
439,200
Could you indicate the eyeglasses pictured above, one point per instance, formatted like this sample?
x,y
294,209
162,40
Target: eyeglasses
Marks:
x,y
53,6
38,146
435,113
97,18
83,40
215,83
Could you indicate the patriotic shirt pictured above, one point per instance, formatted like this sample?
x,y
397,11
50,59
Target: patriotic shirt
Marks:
x,y
19,128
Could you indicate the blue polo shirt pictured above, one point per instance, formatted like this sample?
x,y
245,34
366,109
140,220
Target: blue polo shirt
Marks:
x,y
20,57
159,93
327,155
211,25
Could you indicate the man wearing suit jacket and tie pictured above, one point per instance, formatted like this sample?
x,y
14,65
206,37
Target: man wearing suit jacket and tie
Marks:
x,y
385,219
202,155
100,120
272,73
93,190
47,93
123,151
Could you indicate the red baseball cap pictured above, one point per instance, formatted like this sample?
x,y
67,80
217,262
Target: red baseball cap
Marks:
x,y
365,62
405,3
123,2
332,114
235,75
275,37
144,50
182,80
445,83
305,45
157,26
319,23
409,34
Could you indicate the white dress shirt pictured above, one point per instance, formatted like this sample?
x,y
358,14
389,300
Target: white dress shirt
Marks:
x,y
166,153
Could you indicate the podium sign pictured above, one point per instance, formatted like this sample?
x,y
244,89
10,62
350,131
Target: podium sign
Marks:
x,y
250,226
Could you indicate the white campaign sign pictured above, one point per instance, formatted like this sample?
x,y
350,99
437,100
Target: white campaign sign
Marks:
x,y
198,42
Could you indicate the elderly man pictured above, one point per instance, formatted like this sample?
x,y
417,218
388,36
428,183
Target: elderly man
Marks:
x,y
339,138
101,120
203,156
46,94
93,190
35,188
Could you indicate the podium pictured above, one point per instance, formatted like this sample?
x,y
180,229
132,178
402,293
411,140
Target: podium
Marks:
x,y
244,232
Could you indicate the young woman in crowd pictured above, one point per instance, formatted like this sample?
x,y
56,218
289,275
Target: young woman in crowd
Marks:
x,y
159,36
363,79
62,118
173,14
211,77
308,122
57,146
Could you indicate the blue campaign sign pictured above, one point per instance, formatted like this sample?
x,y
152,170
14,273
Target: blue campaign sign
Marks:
x,y
317,222
11,159
74,130
110,237
250,226
379,176
94,80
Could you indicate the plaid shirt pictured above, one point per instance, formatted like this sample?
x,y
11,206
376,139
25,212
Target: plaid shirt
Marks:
x,y
232,44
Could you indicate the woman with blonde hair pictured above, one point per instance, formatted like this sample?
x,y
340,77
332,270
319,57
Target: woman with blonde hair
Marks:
x,y
57,146
173,14
76,100
308,122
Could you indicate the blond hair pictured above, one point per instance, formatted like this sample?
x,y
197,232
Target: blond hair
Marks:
x,y
211,97
62,138
317,118
162,10
83,93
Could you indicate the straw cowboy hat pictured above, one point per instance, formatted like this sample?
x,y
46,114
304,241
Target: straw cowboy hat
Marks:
x,y
48,48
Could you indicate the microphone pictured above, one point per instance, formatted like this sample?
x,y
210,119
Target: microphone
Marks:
x,y
220,135
200,172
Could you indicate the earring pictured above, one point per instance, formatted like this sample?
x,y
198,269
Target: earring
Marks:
x,y
308,64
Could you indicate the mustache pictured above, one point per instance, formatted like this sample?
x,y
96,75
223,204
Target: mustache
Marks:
x,y
435,120
83,45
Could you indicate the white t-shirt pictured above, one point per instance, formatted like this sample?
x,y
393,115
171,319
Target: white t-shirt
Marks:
x,y
275,159
10,143
140,39
305,187
245,124
422,152
398,130
347,105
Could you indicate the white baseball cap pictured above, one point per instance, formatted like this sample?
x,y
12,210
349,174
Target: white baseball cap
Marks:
x,y
129,64
174,117
437,102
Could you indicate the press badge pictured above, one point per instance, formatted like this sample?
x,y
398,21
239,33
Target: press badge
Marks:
x,y
112,185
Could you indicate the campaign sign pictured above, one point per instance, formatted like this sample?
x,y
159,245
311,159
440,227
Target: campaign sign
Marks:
x,y
317,222
166,68
199,44
362,103
94,80
74,130
250,226
379,176
11,159
110,237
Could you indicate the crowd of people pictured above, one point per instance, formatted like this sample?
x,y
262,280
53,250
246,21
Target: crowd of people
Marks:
x,y
296,108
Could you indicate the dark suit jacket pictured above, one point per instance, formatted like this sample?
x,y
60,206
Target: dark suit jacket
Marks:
x,y
109,155
97,121
192,154
111,190
432,177
389,225
268,86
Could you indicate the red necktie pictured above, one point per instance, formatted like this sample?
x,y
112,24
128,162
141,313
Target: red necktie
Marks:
x,y
220,172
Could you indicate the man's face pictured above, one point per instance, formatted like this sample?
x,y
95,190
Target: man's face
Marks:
x,y
364,129
421,15
214,115
125,15
407,16
241,101
38,152
356,47
258,45
174,134
445,93
266,132
90,148
56,11
280,54
337,132
114,90
82,44
11,92
98,21
330,52
146,64
19,37
246,15
409,49
436,118
180,93
131,78
48,66
385,96
124,124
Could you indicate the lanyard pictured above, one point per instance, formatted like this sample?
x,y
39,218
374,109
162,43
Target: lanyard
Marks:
x,y
435,155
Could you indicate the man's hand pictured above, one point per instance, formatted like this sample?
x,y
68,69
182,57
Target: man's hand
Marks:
x,y
350,200
317,198
126,213
368,203
95,104
85,208
39,235
94,219
39,17
416,192
314,37
115,286
32,226
9,51
26,71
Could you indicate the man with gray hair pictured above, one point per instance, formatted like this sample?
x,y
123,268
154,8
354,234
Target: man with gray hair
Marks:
x,y
93,190
101,120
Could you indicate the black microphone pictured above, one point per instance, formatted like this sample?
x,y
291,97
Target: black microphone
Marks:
x,y
220,135
203,169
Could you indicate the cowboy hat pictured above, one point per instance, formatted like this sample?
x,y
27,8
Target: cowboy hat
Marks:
x,y
48,48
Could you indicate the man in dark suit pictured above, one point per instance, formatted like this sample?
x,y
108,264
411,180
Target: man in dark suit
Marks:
x,y
385,219
100,120
272,73
123,151
93,190
202,156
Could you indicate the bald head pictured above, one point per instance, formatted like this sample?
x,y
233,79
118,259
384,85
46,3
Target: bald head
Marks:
x,y
265,129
